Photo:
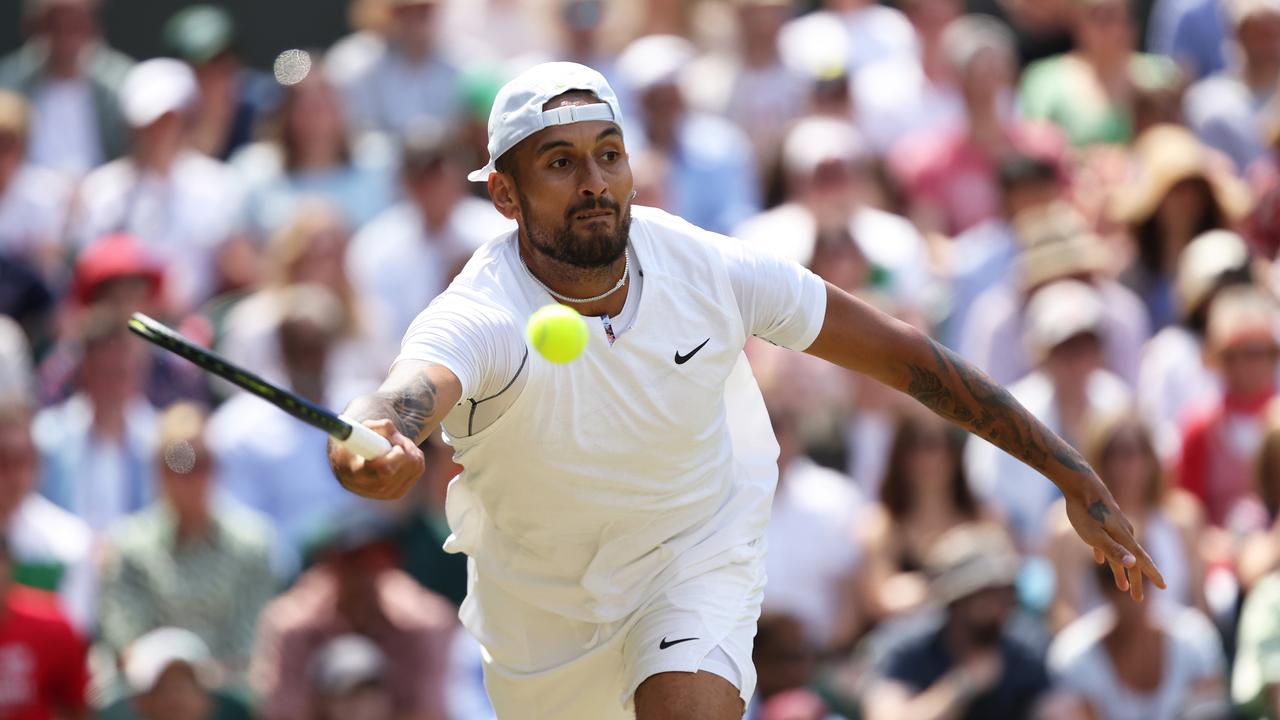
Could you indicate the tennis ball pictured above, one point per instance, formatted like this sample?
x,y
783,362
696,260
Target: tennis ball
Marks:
x,y
558,333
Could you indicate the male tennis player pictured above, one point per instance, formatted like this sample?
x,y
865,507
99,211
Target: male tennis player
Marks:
x,y
613,509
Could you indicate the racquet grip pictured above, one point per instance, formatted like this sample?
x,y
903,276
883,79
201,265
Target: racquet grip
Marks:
x,y
363,441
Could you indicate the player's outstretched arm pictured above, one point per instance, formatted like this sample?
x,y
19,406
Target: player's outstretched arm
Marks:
x,y
406,409
861,338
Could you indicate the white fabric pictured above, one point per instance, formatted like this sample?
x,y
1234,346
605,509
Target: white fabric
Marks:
x,y
155,87
33,211
17,381
1172,379
64,133
1192,652
43,533
104,497
893,98
397,260
814,507
871,34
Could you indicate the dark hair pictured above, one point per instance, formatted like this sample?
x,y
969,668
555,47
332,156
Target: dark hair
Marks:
x,y
1101,437
1149,235
896,490
1018,170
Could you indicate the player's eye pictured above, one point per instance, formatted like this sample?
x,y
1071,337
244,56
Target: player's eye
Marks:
x,y
611,155
560,163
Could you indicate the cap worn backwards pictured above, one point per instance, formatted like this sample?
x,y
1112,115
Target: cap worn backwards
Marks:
x,y
517,111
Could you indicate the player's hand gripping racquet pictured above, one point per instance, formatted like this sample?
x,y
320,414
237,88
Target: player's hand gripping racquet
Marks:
x,y
354,436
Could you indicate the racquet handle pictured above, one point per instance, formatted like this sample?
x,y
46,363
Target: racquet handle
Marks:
x,y
363,441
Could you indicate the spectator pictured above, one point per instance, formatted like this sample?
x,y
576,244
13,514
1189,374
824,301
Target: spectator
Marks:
x,y
827,214
965,664
813,507
1176,193
411,78
349,677
17,384
253,441
1227,110
949,173
46,547
712,181
985,255
183,206
1089,91
1064,334
96,446
1137,661
872,31
1173,377
1169,523
170,676
1220,438
185,560
72,79
354,587
581,22
232,97
33,200
309,153
408,254
1255,680
42,660
786,665
1056,244
1259,553
924,495
1195,33
1263,225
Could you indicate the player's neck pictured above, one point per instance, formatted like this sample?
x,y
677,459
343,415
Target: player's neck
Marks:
x,y
576,282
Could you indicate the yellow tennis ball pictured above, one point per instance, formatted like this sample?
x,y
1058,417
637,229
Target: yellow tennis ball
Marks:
x,y
558,333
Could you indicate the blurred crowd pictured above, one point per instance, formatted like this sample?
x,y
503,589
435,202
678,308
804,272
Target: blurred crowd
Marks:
x,y
1089,215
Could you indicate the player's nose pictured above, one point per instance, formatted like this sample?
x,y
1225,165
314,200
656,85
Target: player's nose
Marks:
x,y
592,182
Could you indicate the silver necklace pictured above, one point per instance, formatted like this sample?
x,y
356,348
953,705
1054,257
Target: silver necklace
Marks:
x,y
626,272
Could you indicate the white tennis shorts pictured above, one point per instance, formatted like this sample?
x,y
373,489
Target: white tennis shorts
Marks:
x,y
561,669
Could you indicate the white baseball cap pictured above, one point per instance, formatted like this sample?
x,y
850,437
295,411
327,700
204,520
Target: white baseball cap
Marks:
x,y
517,110
150,655
155,87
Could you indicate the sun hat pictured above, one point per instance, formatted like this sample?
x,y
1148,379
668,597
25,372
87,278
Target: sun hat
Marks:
x,y
1203,263
1165,155
156,87
968,559
1060,311
1056,243
152,654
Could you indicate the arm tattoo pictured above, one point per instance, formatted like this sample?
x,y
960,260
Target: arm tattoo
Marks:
x,y
959,392
1098,511
409,407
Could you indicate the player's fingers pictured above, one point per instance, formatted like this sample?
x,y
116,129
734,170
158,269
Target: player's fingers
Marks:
x,y
1142,564
385,428
1099,557
1135,584
1117,571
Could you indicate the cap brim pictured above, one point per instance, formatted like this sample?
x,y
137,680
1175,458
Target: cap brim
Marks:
x,y
481,175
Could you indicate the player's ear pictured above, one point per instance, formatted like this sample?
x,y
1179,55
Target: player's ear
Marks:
x,y
502,190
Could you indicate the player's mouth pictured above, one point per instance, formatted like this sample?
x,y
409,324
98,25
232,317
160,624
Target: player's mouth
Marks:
x,y
593,215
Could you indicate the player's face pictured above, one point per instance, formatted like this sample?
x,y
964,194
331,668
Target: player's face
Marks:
x,y
574,186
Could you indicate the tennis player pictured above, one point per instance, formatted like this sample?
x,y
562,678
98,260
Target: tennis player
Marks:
x,y
613,509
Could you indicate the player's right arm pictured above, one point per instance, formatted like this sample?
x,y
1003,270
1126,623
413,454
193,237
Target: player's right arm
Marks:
x,y
406,409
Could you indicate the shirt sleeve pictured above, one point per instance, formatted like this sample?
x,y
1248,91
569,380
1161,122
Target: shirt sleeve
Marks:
x,y
781,301
71,683
479,342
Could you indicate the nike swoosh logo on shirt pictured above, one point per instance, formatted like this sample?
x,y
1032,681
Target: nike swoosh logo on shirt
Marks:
x,y
664,644
682,359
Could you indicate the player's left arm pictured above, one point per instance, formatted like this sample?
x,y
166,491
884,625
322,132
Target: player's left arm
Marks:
x,y
858,337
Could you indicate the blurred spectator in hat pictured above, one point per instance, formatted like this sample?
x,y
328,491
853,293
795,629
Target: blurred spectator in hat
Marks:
x,y
232,96
753,87
963,664
1173,377
1137,660
17,381
47,547
1055,244
1259,551
411,77
924,495
1064,335
479,85
187,559
712,171
1089,91
1227,110
786,661
354,588
1221,437
1192,32
985,255
949,173
96,447
899,96
349,681
309,152
1255,676
827,213
170,674
34,201
872,31
1168,521
1176,193
183,206
816,47
43,667
72,79
408,254
314,249
253,440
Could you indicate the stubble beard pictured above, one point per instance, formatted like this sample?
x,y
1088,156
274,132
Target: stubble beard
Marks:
x,y
586,252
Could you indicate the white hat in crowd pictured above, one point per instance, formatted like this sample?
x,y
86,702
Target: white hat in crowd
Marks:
x,y
654,60
816,140
156,87
152,654
1060,311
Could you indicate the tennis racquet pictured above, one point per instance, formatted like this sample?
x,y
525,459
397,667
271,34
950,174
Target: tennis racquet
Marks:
x,y
353,435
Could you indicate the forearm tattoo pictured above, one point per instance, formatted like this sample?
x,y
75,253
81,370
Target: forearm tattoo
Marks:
x,y
410,407
963,394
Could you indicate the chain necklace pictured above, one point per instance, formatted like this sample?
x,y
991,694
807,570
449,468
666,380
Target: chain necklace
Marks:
x,y
626,273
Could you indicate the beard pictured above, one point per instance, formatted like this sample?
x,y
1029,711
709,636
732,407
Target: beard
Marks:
x,y
588,250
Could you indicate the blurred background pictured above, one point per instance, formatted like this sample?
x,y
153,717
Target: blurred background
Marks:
x,y
1080,196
